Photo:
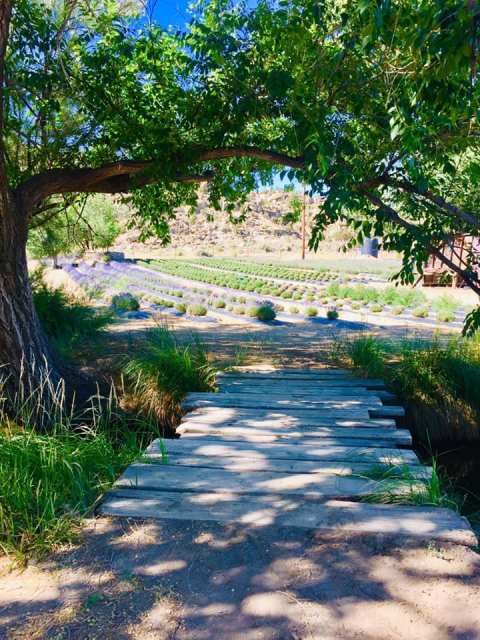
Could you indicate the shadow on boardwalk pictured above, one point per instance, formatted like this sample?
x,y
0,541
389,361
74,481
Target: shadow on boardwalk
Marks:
x,y
159,580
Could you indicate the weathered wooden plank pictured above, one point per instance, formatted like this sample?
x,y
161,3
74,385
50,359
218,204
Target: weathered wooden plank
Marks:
x,y
333,410
392,435
224,447
284,421
176,478
286,438
259,463
297,390
292,511
288,399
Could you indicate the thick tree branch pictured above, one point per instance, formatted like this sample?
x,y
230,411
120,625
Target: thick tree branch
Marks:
x,y
125,175
393,216
466,216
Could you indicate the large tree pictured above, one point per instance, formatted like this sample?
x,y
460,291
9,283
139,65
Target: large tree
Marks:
x,y
373,104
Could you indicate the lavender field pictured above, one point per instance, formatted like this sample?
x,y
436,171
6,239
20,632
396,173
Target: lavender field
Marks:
x,y
212,289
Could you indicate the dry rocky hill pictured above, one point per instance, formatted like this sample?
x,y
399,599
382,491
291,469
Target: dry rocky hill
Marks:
x,y
208,232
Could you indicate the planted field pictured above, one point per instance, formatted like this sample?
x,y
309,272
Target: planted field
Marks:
x,y
262,291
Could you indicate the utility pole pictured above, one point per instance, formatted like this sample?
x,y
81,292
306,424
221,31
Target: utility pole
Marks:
x,y
304,226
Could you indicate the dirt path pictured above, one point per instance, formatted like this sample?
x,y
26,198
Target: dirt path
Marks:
x,y
199,581
193,581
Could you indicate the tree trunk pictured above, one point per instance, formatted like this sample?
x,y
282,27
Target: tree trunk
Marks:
x,y
23,344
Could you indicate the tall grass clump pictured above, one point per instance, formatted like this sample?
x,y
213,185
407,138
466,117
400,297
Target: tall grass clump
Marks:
x,y
67,320
164,371
440,384
50,479
366,354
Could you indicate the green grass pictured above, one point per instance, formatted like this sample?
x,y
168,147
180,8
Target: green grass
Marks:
x,y
163,372
438,381
366,354
50,480
399,484
67,321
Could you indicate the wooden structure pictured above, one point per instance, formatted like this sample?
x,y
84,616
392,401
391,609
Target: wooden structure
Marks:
x,y
289,447
463,251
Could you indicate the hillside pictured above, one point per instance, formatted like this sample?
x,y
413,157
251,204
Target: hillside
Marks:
x,y
210,232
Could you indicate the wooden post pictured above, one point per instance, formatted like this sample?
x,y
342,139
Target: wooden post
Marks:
x,y
304,226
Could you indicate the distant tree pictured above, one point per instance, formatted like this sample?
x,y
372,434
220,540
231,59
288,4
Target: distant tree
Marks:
x,y
91,225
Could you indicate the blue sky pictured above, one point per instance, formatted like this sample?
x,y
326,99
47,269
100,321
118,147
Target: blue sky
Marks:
x,y
174,13
170,12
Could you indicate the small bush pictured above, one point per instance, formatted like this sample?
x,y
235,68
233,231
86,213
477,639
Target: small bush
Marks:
x,y
239,311
252,312
332,314
294,309
181,307
125,302
445,315
397,310
266,313
355,306
311,312
219,304
376,308
67,320
367,355
420,312
197,310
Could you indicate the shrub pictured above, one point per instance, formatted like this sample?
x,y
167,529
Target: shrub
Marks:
x,y
164,372
220,304
355,306
67,320
197,310
48,481
367,355
376,308
125,302
266,313
332,314
252,312
239,311
294,309
397,310
181,307
279,308
311,312
420,312
287,295
310,297
242,300
445,315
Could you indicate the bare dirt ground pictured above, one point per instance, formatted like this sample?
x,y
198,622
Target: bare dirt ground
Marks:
x,y
166,580
163,580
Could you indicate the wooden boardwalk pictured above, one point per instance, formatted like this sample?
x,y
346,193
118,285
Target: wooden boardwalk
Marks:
x,y
290,447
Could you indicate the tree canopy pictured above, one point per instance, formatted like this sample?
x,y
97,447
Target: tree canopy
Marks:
x,y
372,104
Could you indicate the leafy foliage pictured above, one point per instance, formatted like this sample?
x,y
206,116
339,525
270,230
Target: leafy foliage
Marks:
x,y
66,320
165,370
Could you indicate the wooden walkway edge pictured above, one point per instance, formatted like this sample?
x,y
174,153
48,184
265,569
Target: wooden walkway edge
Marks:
x,y
289,447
